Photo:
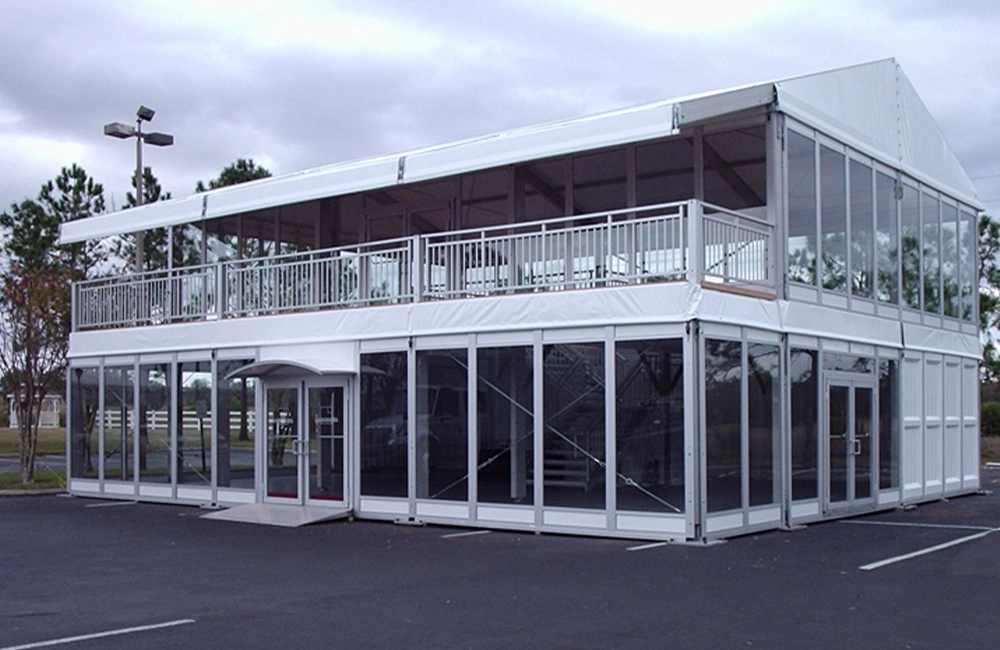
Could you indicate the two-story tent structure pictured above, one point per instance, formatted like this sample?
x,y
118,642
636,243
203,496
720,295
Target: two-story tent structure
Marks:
x,y
692,319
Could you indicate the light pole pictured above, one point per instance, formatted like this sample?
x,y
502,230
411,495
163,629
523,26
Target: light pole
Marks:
x,y
119,130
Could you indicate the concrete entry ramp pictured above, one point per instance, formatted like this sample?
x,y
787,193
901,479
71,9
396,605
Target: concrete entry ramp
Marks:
x,y
287,516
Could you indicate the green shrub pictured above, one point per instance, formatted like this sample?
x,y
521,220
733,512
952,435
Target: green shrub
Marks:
x,y
990,422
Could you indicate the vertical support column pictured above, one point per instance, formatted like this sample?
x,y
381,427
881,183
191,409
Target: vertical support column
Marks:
x,y
136,425
696,245
472,404
216,424
411,429
610,429
567,239
417,267
694,426
538,470
777,251
102,416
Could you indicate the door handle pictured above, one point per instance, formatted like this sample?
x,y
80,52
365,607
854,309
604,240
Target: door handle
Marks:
x,y
857,447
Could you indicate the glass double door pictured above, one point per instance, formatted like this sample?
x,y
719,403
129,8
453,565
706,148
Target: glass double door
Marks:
x,y
304,442
850,450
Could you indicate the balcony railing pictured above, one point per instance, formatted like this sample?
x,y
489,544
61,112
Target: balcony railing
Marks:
x,y
690,241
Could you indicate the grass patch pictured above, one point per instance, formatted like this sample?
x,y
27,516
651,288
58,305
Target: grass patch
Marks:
x,y
50,441
990,448
45,479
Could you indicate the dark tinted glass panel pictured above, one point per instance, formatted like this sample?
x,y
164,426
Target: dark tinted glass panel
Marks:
x,y
599,181
931,211
118,423
723,439
574,425
887,239
735,173
84,409
833,219
862,228
383,424
838,422
235,427
967,263
950,280
442,425
650,426
848,363
505,425
194,422
763,415
154,423
888,425
801,209
802,369
910,235
664,172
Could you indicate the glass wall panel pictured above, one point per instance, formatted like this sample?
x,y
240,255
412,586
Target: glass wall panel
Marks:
x,y
599,181
723,411
949,261
154,423
763,415
505,421
838,425
887,238
325,422
910,234
968,237
801,209
735,170
84,410
442,425
803,366
888,425
848,363
833,219
664,172
282,436
930,209
862,228
194,422
574,425
119,383
235,427
383,424
650,425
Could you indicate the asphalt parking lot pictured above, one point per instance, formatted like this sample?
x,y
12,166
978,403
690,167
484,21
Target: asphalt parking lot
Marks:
x,y
70,567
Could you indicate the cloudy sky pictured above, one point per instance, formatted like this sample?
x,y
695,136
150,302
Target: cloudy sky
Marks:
x,y
296,83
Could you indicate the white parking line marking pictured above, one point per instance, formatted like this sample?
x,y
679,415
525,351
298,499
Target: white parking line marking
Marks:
x,y
914,525
466,534
107,505
643,547
925,551
100,635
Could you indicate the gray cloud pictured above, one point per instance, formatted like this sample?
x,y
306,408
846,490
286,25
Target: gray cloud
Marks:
x,y
483,67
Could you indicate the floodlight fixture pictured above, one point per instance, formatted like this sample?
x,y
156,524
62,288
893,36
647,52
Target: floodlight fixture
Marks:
x,y
158,139
119,130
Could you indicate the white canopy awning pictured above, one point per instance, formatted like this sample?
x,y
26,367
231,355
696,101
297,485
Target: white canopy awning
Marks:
x,y
872,106
298,360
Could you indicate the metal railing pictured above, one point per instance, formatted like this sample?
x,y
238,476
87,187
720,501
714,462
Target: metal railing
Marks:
x,y
688,240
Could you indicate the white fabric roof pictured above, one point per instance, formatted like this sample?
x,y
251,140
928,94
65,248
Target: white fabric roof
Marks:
x,y
871,106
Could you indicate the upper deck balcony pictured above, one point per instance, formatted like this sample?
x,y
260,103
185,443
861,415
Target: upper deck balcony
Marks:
x,y
688,241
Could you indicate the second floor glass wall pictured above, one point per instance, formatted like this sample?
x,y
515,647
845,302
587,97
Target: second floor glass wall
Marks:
x,y
858,228
731,161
